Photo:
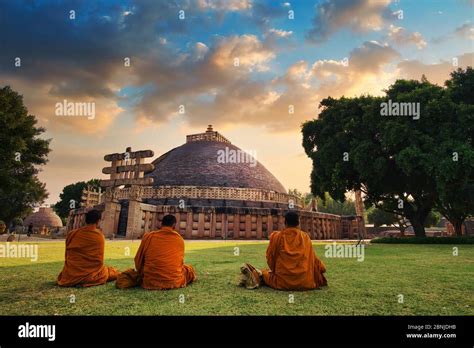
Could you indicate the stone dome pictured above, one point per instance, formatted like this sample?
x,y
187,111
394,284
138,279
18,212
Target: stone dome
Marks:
x,y
209,159
44,217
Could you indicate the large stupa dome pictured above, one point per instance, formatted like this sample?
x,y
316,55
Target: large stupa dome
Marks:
x,y
208,159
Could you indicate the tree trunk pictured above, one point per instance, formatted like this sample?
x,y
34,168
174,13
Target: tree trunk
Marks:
x,y
417,218
458,227
402,231
418,227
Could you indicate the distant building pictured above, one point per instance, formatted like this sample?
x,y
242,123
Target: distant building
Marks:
x,y
44,217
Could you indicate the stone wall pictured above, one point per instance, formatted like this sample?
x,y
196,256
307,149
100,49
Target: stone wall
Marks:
x,y
218,222
231,223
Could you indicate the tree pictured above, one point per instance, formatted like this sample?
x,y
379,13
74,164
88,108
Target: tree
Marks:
x,y
461,86
454,171
22,152
71,195
327,204
379,217
404,165
433,219
388,158
331,206
305,197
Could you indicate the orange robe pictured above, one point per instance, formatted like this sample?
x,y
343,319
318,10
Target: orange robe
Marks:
x,y
159,261
293,263
84,261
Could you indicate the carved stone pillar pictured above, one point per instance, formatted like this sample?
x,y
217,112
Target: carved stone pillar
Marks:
x,y
110,214
134,220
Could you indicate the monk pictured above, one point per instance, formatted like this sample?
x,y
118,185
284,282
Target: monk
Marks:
x,y
84,261
159,261
292,262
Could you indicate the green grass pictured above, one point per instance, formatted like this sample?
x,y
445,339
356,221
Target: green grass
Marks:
x,y
431,279
425,240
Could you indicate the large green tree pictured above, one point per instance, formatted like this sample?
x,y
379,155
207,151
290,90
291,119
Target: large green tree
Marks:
x,y
454,171
22,152
395,160
71,195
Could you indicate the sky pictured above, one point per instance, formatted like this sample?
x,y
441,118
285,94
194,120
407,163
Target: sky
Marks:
x,y
158,70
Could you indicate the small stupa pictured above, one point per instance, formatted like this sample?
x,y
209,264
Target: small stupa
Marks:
x,y
43,217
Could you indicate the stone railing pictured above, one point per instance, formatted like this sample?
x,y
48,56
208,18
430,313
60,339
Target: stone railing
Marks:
x,y
233,223
218,223
208,136
203,192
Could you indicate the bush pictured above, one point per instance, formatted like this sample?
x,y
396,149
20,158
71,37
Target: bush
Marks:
x,y
424,240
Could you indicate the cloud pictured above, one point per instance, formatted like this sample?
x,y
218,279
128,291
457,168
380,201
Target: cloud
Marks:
x,y
358,15
82,59
465,31
226,5
366,71
371,56
190,79
41,103
223,79
234,96
247,49
279,33
262,13
436,73
401,36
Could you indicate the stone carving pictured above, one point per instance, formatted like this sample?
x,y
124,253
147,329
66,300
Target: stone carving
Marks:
x,y
128,168
135,193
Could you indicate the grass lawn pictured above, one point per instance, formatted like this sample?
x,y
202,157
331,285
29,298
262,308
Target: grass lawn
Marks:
x,y
431,280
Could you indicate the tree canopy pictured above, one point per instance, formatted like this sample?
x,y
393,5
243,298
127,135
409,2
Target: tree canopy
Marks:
x,y
403,164
71,195
22,152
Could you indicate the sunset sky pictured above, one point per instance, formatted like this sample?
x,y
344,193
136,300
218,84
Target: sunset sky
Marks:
x,y
192,62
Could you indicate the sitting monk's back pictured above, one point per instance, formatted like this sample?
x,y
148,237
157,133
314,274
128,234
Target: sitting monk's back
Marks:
x,y
84,261
292,261
160,260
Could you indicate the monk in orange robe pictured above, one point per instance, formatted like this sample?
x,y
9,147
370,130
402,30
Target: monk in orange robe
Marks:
x,y
292,261
84,261
160,259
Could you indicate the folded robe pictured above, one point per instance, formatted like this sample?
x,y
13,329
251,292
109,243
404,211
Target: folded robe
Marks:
x,y
160,261
293,263
84,260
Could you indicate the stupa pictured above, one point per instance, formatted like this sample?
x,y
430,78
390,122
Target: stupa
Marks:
x,y
215,190
43,217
